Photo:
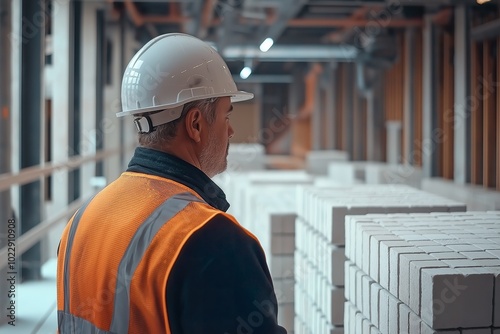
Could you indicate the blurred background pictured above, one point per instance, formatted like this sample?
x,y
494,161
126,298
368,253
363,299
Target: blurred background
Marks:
x,y
346,92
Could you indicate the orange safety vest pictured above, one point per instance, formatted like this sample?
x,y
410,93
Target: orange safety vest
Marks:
x,y
117,252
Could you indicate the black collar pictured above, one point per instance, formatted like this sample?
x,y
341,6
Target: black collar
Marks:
x,y
153,162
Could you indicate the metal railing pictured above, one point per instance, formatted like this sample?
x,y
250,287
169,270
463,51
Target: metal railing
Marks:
x,y
35,234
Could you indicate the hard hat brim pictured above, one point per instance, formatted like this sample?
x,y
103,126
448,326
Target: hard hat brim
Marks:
x,y
238,96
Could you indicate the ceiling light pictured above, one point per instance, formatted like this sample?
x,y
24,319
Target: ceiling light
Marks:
x,y
482,1
245,72
266,45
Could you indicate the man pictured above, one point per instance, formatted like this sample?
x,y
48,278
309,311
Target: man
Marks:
x,y
155,252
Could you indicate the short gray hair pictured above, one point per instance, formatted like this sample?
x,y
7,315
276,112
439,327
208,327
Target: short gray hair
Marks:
x,y
166,132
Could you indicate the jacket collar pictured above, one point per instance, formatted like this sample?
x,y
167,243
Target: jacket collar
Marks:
x,y
153,162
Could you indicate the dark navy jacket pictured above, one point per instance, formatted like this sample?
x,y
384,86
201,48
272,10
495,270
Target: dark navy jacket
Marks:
x,y
220,283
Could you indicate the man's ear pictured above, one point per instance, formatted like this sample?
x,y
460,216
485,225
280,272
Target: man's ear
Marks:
x,y
193,124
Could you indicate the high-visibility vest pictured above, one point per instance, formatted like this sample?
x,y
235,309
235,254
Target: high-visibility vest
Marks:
x,y
117,252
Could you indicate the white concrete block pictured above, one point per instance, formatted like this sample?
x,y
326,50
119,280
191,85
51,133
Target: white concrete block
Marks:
x,y
372,250
317,162
434,249
414,324
347,173
365,329
479,255
472,263
447,256
463,248
383,324
281,266
452,300
393,321
415,284
393,174
366,281
385,255
347,317
282,223
359,323
358,301
284,289
404,318
352,283
363,246
489,247
286,316
418,243
347,276
375,251
353,225
283,244
404,278
375,304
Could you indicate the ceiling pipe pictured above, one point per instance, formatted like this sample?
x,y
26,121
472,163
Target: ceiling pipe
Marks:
x,y
297,53
330,23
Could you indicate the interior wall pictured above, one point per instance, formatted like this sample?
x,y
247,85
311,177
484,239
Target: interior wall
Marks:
x,y
245,120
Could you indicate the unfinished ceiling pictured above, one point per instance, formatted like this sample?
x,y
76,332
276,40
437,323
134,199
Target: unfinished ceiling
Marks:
x,y
302,30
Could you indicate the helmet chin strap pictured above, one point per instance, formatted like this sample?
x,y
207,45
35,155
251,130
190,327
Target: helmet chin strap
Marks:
x,y
148,123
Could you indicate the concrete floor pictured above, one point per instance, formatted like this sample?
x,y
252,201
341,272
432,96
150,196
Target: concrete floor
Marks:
x,y
36,305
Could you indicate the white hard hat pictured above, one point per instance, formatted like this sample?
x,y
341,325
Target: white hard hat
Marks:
x,y
170,71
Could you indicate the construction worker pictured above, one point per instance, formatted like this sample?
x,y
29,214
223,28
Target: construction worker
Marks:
x,y
154,251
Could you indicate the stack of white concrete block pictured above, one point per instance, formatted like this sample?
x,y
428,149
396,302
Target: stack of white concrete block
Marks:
x,y
317,162
477,197
423,273
320,240
359,172
273,223
347,172
378,173
246,157
264,202
243,187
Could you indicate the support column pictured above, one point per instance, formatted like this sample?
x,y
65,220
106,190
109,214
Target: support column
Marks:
x,y
88,72
64,145
5,146
379,135
428,106
462,130
358,127
111,134
348,109
100,84
330,98
128,131
316,116
408,112
35,13
393,129
370,126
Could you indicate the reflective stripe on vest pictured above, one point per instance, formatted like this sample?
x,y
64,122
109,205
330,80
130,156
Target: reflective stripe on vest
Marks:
x,y
133,255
